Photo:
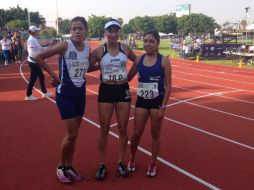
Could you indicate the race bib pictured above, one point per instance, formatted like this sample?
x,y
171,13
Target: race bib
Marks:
x,y
78,69
114,74
148,90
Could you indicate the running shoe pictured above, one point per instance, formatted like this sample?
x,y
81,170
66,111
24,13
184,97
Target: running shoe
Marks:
x,y
30,98
151,170
122,169
73,175
131,165
47,95
62,174
101,172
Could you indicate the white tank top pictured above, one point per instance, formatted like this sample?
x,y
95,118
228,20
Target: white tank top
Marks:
x,y
77,63
113,68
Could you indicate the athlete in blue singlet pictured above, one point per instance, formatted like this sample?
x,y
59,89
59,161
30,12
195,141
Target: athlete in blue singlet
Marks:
x,y
114,93
70,90
154,87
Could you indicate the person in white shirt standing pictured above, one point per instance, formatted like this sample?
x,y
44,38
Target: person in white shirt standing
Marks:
x,y
34,48
6,46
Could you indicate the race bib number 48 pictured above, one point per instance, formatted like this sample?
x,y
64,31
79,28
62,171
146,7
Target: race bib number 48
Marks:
x,y
148,90
78,69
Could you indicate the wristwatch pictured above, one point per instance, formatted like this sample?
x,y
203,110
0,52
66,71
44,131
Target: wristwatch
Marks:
x,y
162,107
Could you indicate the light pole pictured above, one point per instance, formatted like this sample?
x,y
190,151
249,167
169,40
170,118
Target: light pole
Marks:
x,y
246,16
28,17
57,27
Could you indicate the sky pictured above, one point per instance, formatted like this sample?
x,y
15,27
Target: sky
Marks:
x,y
220,10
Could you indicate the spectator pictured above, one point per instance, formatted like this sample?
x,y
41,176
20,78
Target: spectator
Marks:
x,y
6,49
34,48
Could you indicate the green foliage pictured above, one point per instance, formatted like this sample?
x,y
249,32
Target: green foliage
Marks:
x,y
17,13
166,23
142,24
196,23
96,26
64,26
49,32
17,24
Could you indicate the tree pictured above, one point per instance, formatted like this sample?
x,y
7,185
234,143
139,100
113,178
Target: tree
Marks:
x,y
166,23
64,26
17,24
127,29
48,33
96,26
196,23
120,20
142,24
17,13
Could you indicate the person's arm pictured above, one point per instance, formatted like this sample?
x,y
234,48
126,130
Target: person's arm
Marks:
x,y
129,52
132,57
40,58
94,59
168,81
132,72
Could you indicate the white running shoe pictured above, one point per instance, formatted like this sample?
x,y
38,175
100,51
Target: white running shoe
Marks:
x,y
151,170
30,98
47,95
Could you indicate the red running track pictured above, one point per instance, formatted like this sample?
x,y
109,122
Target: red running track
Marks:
x,y
207,135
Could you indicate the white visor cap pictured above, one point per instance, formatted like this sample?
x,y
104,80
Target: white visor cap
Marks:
x,y
34,29
112,23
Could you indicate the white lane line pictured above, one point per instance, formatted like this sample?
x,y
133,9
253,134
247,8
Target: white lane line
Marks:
x,y
236,90
226,97
230,72
210,84
209,108
202,131
209,185
211,134
218,78
216,110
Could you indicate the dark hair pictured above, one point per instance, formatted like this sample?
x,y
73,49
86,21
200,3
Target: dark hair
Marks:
x,y
155,34
82,19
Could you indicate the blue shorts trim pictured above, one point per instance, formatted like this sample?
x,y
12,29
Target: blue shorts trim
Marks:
x,y
70,106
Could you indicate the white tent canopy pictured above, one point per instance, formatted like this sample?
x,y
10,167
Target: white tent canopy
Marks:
x,y
250,27
162,34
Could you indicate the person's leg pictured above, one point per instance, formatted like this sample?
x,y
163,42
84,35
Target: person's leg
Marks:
x,y
41,79
33,76
65,171
156,123
68,143
6,55
140,119
105,115
122,114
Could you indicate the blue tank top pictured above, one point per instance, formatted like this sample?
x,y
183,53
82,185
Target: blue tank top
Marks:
x,y
152,74
72,68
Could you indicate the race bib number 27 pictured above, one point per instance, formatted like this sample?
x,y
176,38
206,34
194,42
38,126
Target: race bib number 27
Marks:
x,y
78,69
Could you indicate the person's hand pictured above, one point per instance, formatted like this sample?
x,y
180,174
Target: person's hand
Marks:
x,y
54,82
161,113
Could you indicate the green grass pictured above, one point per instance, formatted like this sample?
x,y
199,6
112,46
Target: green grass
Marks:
x,y
163,48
